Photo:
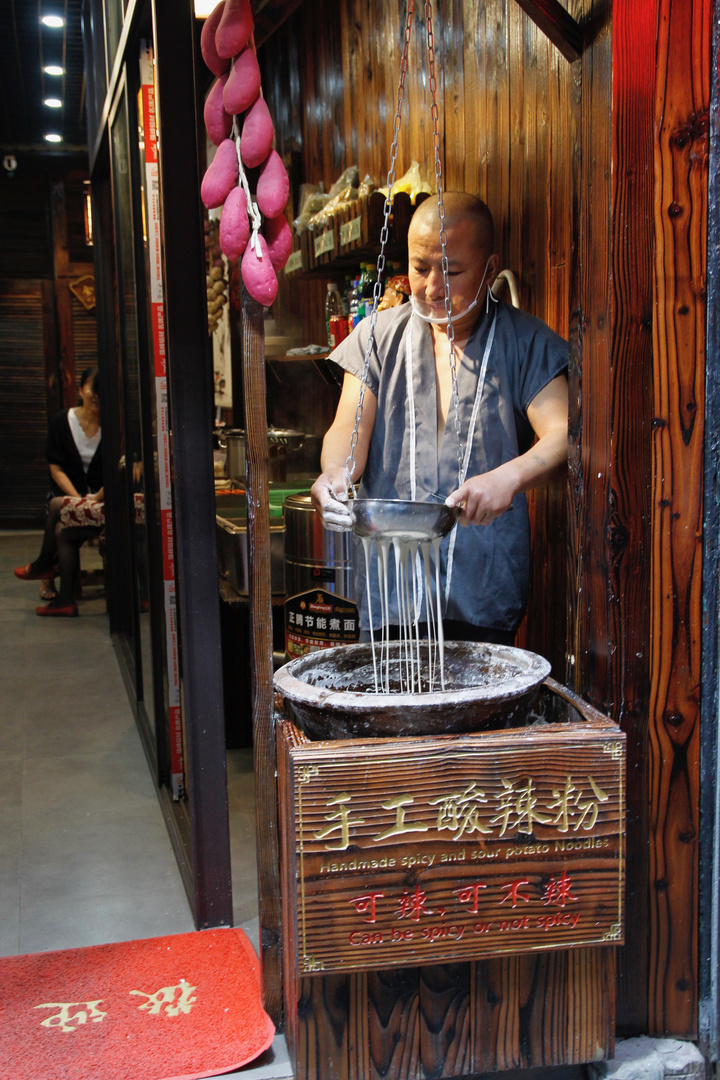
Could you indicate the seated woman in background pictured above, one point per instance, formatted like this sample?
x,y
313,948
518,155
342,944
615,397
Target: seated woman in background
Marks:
x,y
73,453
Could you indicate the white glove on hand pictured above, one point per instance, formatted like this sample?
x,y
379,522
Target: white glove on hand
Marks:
x,y
336,514
332,507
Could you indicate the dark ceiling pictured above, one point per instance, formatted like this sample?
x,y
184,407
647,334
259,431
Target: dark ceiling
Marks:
x,y
26,46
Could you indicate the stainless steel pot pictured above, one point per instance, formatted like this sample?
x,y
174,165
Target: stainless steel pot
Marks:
x,y
233,561
314,557
281,442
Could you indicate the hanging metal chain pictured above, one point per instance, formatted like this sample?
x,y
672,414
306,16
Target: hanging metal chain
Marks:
x,y
384,233
443,236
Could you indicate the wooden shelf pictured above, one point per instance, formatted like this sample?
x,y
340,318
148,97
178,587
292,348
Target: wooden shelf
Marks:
x,y
304,356
351,235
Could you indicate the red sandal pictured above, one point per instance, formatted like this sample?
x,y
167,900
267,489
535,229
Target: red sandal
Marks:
x,y
63,611
26,573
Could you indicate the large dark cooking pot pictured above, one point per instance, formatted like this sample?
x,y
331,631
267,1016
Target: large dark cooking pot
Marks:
x,y
281,441
331,692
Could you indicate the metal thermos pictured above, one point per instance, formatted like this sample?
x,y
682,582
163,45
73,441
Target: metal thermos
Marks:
x,y
314,557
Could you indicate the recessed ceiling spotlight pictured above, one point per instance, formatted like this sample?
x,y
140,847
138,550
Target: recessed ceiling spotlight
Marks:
x,y
53,103
52,20
53,69
53,138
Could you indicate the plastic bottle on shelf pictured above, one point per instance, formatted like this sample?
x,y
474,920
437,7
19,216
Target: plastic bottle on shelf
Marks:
x,y
361,292
333,309
355,304
369,286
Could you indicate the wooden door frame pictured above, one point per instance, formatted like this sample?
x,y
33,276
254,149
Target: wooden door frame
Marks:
x,y
191,408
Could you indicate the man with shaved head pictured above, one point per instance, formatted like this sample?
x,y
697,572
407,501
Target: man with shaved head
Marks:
x,y
513,409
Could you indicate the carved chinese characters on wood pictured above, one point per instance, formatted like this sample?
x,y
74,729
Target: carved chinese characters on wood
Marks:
x,y
416,851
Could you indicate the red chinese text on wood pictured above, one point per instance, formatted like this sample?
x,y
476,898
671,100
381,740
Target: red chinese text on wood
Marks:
x,y
428,851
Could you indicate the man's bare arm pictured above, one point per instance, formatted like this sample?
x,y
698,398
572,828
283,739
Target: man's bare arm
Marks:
x,y
486,496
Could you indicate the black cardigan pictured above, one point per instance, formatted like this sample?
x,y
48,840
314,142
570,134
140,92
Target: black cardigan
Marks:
x,y
62,451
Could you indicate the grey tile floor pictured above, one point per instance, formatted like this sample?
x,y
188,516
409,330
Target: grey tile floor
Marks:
x,y
76,793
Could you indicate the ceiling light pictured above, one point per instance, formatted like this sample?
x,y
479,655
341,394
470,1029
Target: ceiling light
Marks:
x,y
53,138
53,103
52,20
53,69
203,8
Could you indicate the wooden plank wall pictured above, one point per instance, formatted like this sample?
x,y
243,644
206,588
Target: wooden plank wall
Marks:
x,y
23,421
508,117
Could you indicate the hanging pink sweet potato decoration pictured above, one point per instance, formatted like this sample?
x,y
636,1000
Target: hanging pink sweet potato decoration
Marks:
x,y
278,236
238,119
218,122
258,273
217,64
234,29
257,134
273,186
234,224
243,83
221,176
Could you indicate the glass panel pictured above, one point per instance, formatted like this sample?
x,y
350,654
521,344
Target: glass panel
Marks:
x,y
94,52
156,377
113,30
135,525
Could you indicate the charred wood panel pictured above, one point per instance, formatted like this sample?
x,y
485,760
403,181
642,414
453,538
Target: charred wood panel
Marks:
x,y
592,650
392,1027
628,529
680,217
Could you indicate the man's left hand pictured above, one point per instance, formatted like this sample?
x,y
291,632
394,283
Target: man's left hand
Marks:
x,y
484,497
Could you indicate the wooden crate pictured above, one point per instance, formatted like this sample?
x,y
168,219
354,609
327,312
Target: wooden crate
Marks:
x,y
450,904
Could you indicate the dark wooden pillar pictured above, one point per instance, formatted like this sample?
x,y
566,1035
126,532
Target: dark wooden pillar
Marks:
x,y
682,99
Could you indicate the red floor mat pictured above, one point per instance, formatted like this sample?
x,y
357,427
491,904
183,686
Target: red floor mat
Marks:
x,y
170,1008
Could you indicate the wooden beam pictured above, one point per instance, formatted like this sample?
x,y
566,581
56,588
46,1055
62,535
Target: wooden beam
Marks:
x,y
557,24
261,626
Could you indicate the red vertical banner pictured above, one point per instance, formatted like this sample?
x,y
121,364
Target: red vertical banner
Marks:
x,y
153,225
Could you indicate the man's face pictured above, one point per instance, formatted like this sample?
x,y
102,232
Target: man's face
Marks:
x,y
466,265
